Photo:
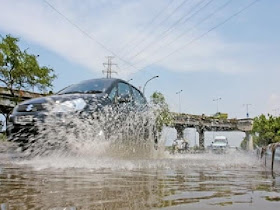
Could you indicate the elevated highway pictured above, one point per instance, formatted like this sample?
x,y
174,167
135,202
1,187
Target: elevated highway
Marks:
x,y
8,101
204,123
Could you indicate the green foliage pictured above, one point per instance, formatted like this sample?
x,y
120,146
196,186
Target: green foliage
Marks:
x,y
163,115
3,137
157,98
20,70
266,130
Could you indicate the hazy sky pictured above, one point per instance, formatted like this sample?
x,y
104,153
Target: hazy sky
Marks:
x,y
238,61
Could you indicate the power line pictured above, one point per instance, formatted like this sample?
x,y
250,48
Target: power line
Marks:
x,y
153,29
87,35
189,30
172,27
202,21
148,25
202,35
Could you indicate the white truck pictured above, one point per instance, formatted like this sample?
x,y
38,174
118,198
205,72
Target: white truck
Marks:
x,y
220,144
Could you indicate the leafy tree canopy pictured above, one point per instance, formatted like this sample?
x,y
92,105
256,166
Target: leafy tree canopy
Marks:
x,y
21,70
266,130
164,117
157,98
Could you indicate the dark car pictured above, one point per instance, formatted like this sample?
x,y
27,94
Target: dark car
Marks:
x,y
112,104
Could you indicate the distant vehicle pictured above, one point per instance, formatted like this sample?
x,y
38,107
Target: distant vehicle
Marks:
x,y
87,99
180,146
220,145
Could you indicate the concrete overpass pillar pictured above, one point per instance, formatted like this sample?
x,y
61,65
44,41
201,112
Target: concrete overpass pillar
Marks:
x,y
250,144
180,131
200,131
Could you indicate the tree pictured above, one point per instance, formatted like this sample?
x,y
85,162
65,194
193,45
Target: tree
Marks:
x,y
163,115
21,70
266,130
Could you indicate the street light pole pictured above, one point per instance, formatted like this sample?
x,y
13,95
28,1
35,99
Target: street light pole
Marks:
x,y
217,99
247,109
276,111
179,92
147,82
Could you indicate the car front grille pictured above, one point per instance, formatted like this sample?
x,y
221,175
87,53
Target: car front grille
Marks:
x,y
30,108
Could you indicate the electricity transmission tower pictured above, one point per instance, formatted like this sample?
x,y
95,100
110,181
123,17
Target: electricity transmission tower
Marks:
x,y
109,65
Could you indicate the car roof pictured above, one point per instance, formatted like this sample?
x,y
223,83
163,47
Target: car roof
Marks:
x,y
112,81
104,79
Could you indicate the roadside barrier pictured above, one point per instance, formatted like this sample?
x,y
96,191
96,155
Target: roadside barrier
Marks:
x,y
271,156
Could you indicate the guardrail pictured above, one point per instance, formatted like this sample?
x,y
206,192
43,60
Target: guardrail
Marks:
x,y
271,156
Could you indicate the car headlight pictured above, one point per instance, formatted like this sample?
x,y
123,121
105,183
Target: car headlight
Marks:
x,y
69,106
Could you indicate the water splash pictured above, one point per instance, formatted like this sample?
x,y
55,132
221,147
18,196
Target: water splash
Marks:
x,y
185,162
114,141
124,133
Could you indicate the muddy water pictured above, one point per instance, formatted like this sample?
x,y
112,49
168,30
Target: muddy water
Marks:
x,y
187,181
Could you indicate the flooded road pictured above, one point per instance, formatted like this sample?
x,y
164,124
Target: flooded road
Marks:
x,y
186,181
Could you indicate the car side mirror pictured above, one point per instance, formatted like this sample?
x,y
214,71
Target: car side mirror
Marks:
x,y
124,98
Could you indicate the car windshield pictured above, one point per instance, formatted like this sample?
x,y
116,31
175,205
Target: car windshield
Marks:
x,y
220,141
89,86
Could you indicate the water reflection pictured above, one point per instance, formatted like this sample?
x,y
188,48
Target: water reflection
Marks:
x,y
131,184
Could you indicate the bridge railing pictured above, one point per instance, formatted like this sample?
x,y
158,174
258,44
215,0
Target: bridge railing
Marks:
x,y
8,101
20,93
212,122
204,118
270,155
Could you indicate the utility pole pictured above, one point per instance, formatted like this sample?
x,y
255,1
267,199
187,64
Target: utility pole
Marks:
x,y
179,93
109,65
276,111
217,100
247,109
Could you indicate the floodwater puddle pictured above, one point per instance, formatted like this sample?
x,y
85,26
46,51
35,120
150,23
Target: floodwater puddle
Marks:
x,y
198,181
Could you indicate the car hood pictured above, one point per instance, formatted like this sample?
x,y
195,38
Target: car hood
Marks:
x,y
62,98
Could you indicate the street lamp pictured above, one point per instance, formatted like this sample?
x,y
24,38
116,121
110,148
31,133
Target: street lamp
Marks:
x,y
217,99
247,109
179,92
276,111
147,82
130,80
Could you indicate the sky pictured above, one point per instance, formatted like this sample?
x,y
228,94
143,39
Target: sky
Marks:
x,y
205,48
